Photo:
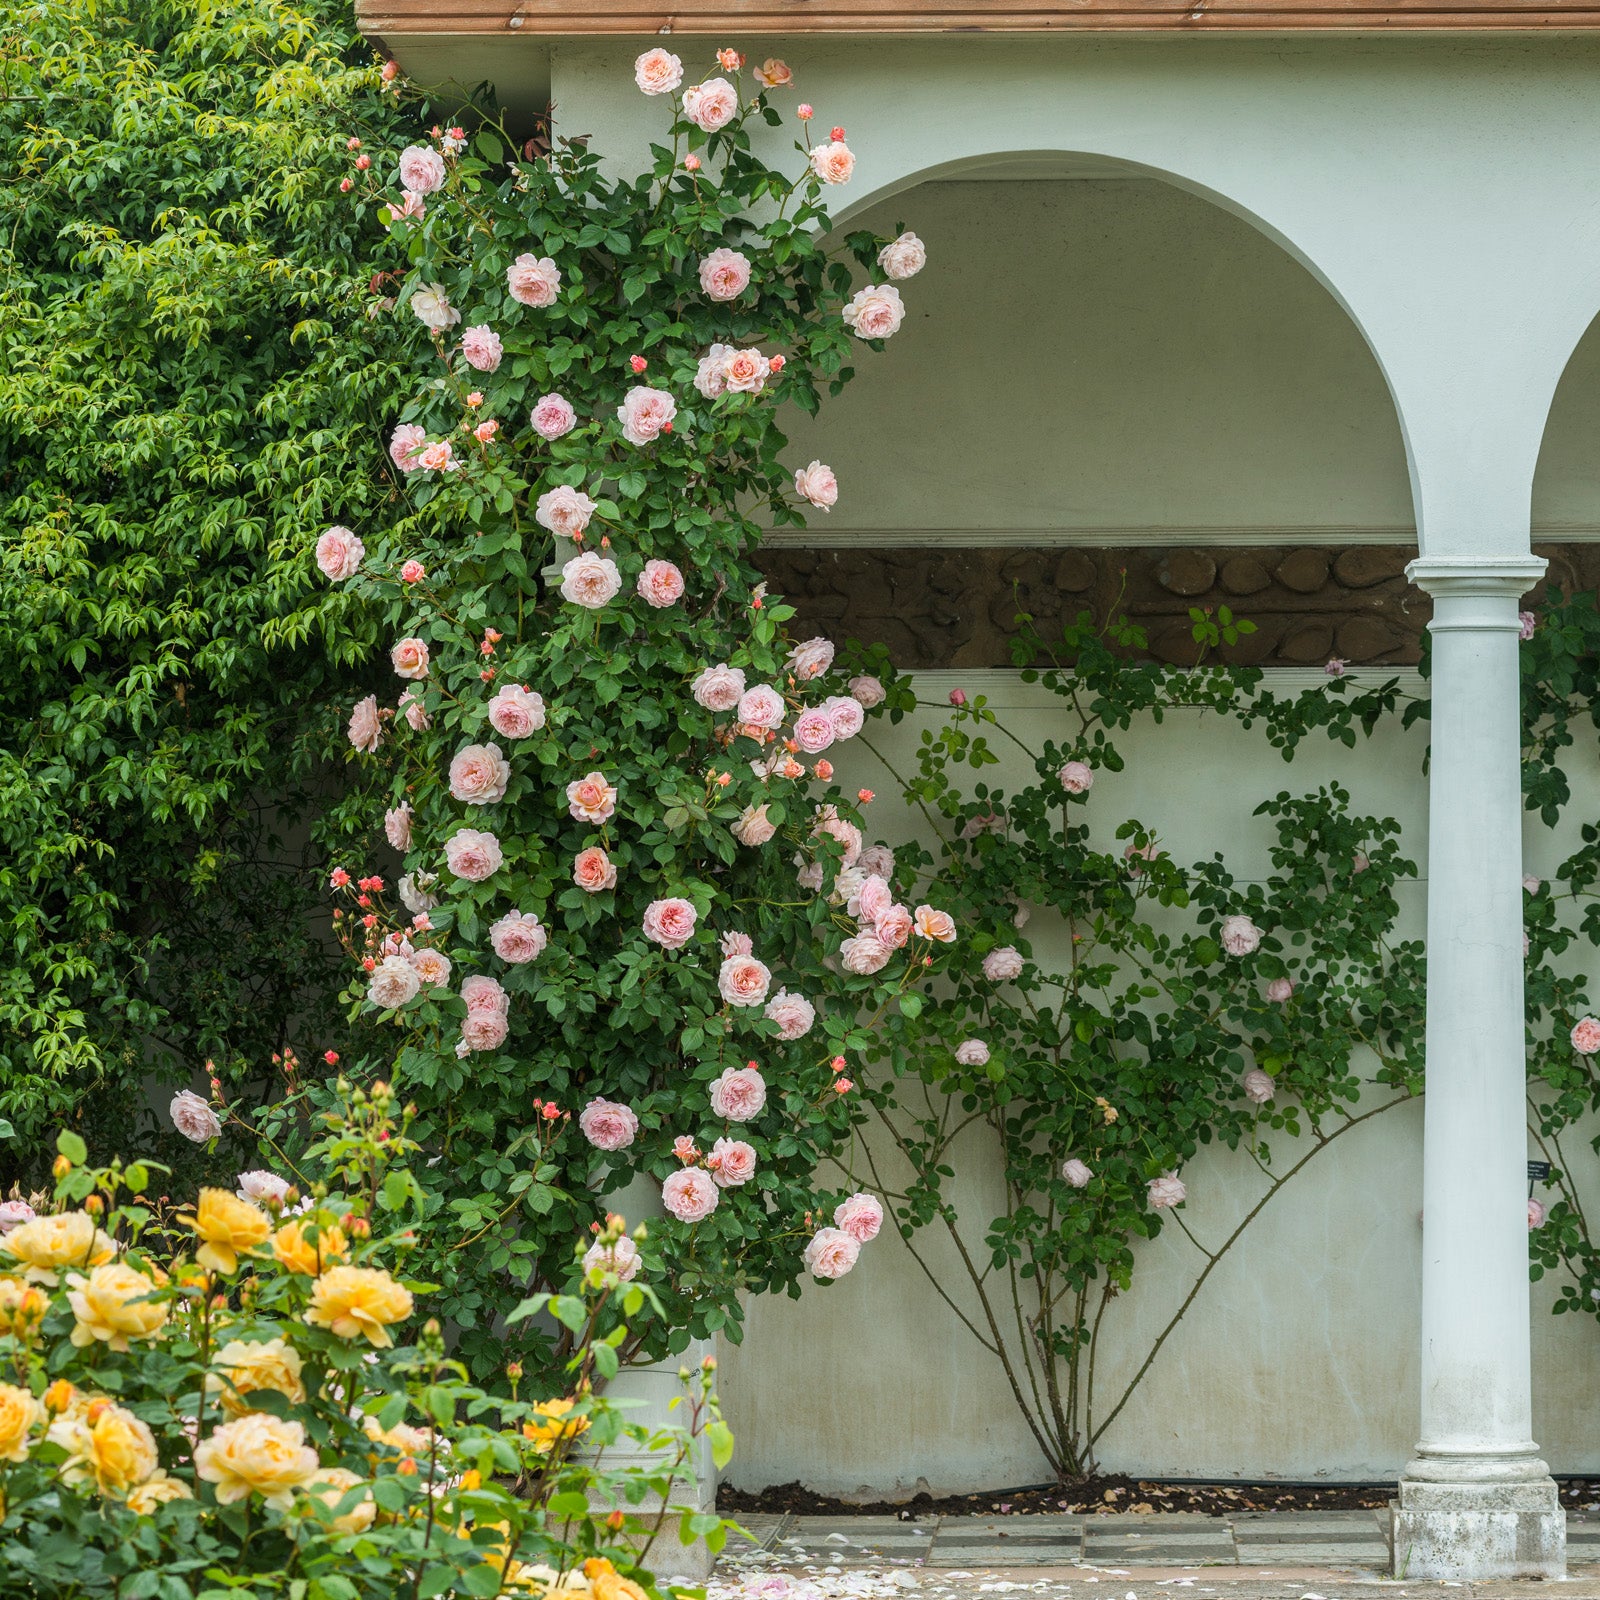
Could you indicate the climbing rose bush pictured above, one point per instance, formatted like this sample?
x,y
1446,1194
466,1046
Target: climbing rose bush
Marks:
x,y
616,923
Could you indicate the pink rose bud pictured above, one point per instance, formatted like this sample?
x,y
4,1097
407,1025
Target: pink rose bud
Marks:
x,y
825,771
475,399
363,162
345,186
391,71
958,697
804,112
691,163
638,363
836,133
777,363
352,143
413,572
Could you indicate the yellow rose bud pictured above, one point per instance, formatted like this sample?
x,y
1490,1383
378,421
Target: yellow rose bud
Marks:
x,y
407,1468
226,1225
60,1396
241,1369
60,1167
20,1413
294,1247
360,1228
95,1206
156,1491
22,1308
47,1245
257,1454
331,1486
113,1305
107,1446
551,1425
359,1302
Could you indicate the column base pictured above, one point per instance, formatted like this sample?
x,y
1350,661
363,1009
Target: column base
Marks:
x,y
1469,1530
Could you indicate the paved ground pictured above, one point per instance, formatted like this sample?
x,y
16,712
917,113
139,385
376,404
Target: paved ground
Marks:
x,y
1323,1555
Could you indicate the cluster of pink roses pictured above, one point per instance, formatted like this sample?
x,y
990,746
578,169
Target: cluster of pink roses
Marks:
x,y
832,1252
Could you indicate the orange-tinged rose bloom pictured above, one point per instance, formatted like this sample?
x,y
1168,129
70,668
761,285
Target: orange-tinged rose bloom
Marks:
x,y
300,1253
257,1454
227,1226
113,1305
402,1436
241,1368
20,1413
551,1425
156,1491
107,1446
359,1302
48,1244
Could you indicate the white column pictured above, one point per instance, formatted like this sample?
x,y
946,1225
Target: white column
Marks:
x,y
1476,1502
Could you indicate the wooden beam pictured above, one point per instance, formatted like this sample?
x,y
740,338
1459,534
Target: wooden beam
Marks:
x,y
473,18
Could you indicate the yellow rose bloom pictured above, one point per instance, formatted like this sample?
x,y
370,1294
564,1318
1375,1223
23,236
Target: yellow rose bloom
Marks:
x,y
358,1302
551,1425
609,1584
19,1414
156,1491
402,1436
299,1254
331,1486
239,1369
107,1445
22,1307
226,1225
113,1305
257,1454
65,1239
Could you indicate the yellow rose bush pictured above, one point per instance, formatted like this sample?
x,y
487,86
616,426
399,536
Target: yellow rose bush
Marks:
x,y
243,1397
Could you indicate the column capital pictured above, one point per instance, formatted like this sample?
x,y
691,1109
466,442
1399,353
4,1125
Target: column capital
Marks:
x,y
1476,577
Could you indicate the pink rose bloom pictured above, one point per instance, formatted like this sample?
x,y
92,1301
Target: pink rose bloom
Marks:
x,y
753,828
875,313
735,944
865,954
893,927
1279,990
13,1213
552,417
484,994
591,798
811,659
1077,777
645,413
415,711
718,688
711,105
392,983
830,823
867,691
593,870
690,1195
518,937
397,826
904,257
743,981
339,554
365,731
590,580
193,1117
831,1253
847,887
516,712
658,71
872,899
833,162
809,875
421,169
1535,1215
732,1162
432,967
1586,1036
937,925
431,307
1002,965
608,1124
1259,1086
413,891
1359,862
261,1187
406,445
813,730
984,822
438,457
1166,1192
473,856
793,1013
846,715
1532,885
669,923
972,1053
410,658
533,280
725,274
620,1260
746,372
877,861
1074,1172
1335,666
481,347
861,1216
711,376
817,486
564,510
484,1030
413,572
660,584
1239,935
479,774
739,1094
1526,624
761,707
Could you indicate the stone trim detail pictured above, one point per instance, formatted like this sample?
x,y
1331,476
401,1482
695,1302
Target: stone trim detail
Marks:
x,y
953,606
